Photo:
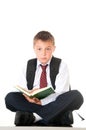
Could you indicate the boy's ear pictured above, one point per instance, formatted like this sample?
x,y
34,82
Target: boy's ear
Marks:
x,y
54,48
34,48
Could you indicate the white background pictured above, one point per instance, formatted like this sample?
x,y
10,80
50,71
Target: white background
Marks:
x,y
20,20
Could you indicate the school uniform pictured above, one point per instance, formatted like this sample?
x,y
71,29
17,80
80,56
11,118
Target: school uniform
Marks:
x,y
55,108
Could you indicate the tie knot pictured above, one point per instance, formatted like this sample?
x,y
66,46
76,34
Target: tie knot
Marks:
x,y
44,67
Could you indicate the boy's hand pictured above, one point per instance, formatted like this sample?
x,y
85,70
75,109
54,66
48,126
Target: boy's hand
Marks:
x,y
32,100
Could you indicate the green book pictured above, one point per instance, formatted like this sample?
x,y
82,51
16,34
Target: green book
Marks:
x,y
40,93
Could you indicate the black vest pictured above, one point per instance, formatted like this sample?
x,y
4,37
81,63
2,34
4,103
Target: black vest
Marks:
x,y
31,68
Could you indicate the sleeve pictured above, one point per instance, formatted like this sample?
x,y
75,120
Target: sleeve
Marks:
x,y
61,83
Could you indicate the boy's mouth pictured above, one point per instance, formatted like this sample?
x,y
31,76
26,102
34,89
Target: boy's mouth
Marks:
x,y
44,58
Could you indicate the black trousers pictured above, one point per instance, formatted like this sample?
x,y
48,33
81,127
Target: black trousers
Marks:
x,y
69,101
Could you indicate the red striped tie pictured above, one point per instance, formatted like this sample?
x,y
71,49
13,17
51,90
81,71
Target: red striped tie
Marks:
x,y
43,79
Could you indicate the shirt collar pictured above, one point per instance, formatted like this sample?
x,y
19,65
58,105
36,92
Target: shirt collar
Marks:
x,y
38,63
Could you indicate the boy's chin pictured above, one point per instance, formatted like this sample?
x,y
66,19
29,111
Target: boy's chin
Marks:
x,y
44,62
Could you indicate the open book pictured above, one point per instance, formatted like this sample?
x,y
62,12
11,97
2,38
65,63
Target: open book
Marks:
x,y
40,93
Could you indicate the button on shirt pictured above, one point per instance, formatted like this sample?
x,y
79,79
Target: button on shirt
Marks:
x,y
61,82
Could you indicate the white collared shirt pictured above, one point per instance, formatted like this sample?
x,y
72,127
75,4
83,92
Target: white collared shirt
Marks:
x,y
61,82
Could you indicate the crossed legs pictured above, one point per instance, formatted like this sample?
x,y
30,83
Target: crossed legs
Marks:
x,y
69,101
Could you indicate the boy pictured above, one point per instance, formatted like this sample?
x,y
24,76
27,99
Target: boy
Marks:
x,y
52,109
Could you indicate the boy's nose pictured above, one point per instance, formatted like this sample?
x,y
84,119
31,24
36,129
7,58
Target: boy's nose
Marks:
x,y
44,52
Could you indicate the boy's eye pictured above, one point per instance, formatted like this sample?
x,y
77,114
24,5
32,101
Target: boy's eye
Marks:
x,y
39,49
48,49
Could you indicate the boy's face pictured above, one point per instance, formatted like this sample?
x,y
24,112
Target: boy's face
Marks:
x,y
43,50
